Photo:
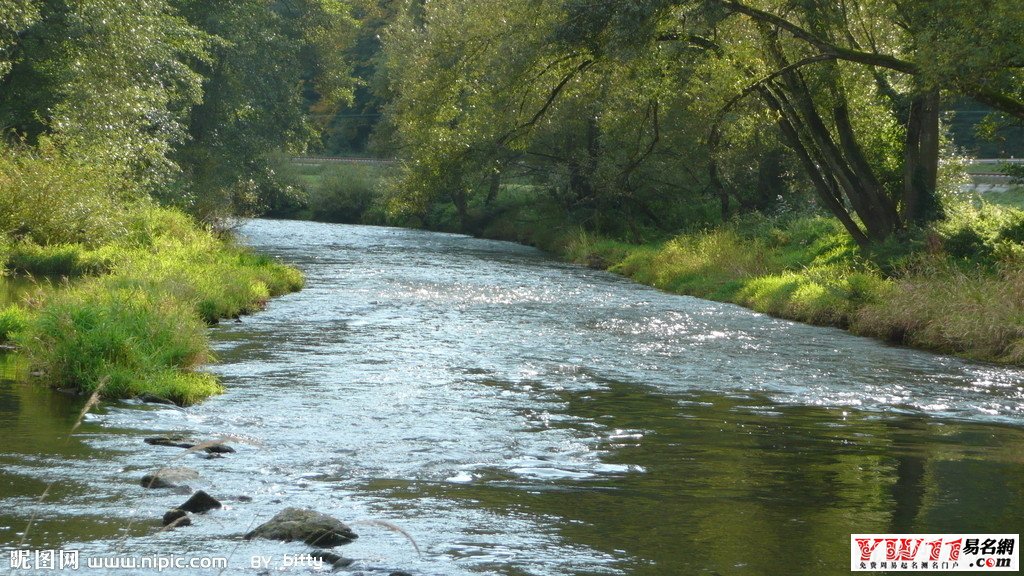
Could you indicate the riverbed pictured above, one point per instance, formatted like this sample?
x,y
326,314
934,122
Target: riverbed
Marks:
x,y
516,415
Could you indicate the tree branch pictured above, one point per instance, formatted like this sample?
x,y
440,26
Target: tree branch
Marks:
x,y
840,53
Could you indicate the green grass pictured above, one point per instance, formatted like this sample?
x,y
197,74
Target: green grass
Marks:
x,y
58,260
956,289
136,285
1012,197
135,323
13,320
130,341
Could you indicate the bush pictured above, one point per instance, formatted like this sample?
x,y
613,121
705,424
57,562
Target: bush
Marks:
x,y
48,198
345,192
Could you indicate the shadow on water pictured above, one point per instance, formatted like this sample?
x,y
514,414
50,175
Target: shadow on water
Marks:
x,y
38,457
712,484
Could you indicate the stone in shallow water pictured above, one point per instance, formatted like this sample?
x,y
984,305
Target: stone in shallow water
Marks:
x,y
174,440
168,477
309,526
176,516
200,502
331,558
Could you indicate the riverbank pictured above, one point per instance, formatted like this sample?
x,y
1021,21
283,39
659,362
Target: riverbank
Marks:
x,y
129,318
957,289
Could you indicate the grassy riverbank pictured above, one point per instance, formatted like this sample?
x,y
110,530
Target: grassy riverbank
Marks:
x,y
957,289
124,289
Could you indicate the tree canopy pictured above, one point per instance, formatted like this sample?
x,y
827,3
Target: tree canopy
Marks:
x,y
651,106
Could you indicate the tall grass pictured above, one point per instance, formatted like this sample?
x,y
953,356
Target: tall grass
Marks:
x,y
958,288
141,327
146,281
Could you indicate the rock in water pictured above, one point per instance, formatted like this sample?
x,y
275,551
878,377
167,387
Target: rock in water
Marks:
x,y
220,449
309,526
331,558
176,516
175,441
200,502
168,477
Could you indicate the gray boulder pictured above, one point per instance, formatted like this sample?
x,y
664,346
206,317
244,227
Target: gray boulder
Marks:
x,y
309,526
168,477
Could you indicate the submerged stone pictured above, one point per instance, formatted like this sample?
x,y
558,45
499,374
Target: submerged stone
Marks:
x,y
168,477
175,441
177,517
335,560
309,526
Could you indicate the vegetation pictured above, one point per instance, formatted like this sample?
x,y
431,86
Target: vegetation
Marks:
x,y
793,158
338,191
126,288
958,292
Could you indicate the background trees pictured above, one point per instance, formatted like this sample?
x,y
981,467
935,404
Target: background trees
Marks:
x,y
186,99
649,110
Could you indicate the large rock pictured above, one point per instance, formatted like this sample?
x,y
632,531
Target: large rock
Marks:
x,y
309,526
168,477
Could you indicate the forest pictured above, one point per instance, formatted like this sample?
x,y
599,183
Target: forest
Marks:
x,y
801,158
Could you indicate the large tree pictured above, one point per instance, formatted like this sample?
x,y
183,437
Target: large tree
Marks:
x,y
856,86
108,80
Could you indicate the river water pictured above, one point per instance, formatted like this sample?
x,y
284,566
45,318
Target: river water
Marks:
x,y
520,416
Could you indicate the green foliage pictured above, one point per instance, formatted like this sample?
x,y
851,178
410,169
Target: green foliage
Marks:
x,y
273,64
58,260
139,326
340,191
985,235
13,320
47,196
122,339
109,81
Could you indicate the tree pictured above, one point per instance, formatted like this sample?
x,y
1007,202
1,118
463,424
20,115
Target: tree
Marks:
x,y
108,80
272,62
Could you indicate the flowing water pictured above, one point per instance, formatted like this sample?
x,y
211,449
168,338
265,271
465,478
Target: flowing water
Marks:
x,y
516,415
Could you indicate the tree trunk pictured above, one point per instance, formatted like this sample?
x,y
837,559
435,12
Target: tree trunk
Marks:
x,y
921,160
494,187
824,184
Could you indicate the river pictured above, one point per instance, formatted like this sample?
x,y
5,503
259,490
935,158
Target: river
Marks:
x,y
516,415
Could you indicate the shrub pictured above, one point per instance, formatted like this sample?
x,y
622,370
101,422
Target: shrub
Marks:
x,y
346,193
49,198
